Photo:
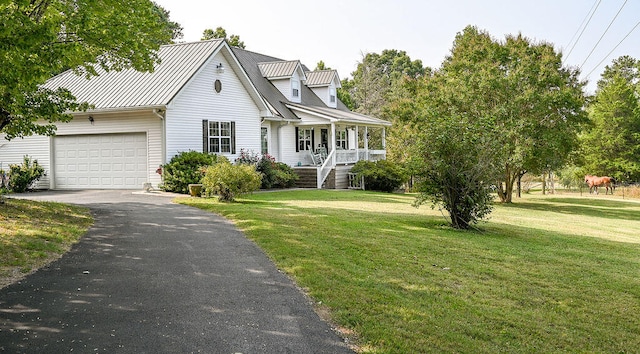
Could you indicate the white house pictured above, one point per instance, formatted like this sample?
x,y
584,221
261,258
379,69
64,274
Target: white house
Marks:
x,y
203,96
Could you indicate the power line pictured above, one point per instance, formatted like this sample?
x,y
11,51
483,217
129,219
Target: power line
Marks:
x,y
612,50
584,28
581,24
605,32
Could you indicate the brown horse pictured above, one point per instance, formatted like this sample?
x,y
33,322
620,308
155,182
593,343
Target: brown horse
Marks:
x,y
594,182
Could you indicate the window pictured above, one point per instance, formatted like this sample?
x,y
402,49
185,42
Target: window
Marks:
x,y
342,140
264,139
295,88
305,139
218,137
332,95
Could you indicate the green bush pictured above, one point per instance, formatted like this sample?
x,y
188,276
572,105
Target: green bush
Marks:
x,y
274,174
22,177
230,181
184,169
381,175
284,177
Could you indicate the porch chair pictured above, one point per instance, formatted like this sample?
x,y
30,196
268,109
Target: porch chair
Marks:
x,y
316,159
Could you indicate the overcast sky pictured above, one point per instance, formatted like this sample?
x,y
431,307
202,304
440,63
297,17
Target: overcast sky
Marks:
x,y
338,32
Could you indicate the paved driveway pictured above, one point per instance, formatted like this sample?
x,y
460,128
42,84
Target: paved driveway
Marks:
x,y
155,277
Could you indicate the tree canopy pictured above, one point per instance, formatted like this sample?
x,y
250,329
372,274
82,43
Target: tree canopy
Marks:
x,y
221,33
39,39
612,146
535,105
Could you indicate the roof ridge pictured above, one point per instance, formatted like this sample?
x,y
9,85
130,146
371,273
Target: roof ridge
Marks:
x,y
192,43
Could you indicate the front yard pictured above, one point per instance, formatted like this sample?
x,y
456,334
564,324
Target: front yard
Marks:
x,y
546,274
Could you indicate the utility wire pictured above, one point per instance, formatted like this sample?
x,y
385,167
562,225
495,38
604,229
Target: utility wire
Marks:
x,y
612,50
584,28
581,24
605,32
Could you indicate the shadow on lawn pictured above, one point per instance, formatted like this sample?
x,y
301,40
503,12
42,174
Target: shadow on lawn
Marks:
x,y
610,209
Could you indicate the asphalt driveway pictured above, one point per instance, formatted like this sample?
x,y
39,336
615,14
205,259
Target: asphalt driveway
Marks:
x,y
155,277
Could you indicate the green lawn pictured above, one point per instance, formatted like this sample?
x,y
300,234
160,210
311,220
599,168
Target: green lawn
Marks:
x,y
33,234
546,274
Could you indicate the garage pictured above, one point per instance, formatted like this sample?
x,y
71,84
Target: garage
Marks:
x,y
104,161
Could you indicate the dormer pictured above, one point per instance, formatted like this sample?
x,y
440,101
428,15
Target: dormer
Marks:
x,y
286,76
324,84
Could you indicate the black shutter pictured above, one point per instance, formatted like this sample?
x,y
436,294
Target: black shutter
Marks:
x,y
313,140
233,137
296,140
346,139
205,136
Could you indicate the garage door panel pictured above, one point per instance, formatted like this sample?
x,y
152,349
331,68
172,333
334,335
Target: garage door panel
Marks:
x,y
107,161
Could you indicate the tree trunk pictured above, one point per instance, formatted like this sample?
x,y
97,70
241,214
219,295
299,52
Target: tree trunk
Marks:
x,y
544,184
507,193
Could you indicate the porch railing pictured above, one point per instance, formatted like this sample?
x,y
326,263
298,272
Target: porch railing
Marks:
x,y
353,156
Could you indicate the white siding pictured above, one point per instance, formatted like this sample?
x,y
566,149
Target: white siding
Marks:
x,y
274,142
37,147
198,101
284,86
288,140
322,93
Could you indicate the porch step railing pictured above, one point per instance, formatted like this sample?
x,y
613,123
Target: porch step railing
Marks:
x,y
325,169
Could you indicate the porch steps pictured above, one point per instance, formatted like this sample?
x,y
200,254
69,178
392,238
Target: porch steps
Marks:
x,y
308,178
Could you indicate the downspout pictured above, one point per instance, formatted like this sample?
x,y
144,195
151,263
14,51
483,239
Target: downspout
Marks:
x,y
161,113
282,124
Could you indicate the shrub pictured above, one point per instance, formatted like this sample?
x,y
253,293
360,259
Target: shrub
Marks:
x,y
22,177
381,175
284,177
230,181
274,174
184,169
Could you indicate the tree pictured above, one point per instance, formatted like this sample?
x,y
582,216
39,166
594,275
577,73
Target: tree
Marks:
x,y
321,66
535,105
175,27
447,148
612,146
377,75
39,39
221,33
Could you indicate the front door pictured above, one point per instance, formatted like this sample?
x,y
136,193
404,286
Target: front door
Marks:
x,y
324,138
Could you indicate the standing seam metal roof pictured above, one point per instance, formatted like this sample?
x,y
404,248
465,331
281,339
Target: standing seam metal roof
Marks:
x,y
278,69
130,88
320,78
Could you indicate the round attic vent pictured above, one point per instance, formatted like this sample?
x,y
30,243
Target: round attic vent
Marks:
x,y
217,85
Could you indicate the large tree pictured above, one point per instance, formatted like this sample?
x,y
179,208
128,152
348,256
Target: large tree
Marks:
x,y
612,146
41,38
534,103
221,33
377,76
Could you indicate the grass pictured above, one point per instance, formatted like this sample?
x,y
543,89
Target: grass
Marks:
x,y
32,234
546,274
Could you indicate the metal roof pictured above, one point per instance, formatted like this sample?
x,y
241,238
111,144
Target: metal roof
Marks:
x,y
321,78
130,88
279,69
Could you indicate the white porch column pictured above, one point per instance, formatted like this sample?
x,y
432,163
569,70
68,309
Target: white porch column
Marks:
x,y
333,144
384,141
366,143
357,145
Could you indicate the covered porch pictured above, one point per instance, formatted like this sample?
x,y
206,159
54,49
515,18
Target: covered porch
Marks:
x,y
330,150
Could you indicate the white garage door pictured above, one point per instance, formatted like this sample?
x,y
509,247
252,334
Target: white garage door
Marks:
x,y
105,161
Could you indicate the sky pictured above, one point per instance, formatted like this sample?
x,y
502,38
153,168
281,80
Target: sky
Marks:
x,y
340,32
